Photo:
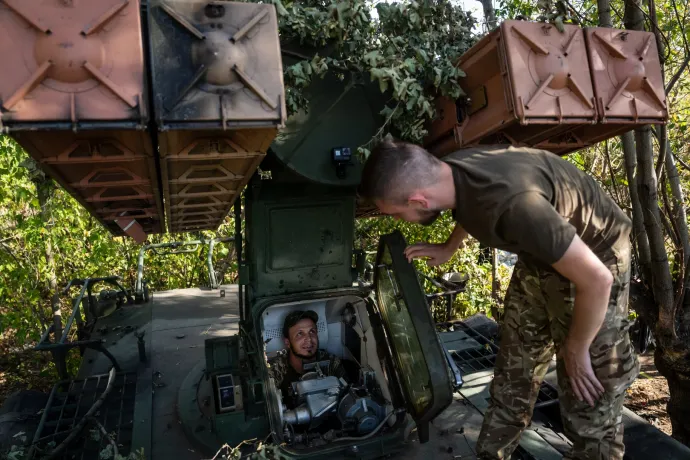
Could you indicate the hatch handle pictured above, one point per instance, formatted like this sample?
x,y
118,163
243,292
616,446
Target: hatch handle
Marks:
x,y
396,294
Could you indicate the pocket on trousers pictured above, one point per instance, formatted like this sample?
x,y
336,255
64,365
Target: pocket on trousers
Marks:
x,y
613,357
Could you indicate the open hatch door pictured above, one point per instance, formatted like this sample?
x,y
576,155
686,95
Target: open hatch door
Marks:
x,y
418,354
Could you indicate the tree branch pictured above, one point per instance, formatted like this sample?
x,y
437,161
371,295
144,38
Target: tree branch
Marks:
x,y
682,163
671,228
679,216
4,247
657,32
663,136
639,235
678,73
679,243
661,274
613,178
583,19
103,431
681,25
489,14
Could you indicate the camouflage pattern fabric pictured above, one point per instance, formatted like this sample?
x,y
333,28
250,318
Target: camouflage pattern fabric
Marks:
x,y
538,310
279,365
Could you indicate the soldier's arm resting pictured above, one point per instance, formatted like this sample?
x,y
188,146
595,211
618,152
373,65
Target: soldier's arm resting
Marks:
x,y
437,253
592,282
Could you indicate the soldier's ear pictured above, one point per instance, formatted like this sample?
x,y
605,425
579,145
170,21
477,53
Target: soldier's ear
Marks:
x,y
286,342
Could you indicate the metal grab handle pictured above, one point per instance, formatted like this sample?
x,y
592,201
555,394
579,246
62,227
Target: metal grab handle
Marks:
x,y
457,383
396,294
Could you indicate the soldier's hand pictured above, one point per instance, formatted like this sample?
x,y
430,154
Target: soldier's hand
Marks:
x,y
579,368
437,253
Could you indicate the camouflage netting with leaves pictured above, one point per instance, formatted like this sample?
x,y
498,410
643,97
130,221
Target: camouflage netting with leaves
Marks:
x,y
410,48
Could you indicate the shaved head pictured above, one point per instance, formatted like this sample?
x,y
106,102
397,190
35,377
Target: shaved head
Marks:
x,y
396,169
402,180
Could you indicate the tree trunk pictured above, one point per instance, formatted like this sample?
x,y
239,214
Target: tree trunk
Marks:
x,y
675,366
661,273
44,190
679,214
633,18
604,9
489,14
639,234
677,369
671,357
647,188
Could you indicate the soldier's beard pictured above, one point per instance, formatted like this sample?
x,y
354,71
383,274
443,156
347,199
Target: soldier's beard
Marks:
x,y
427,218
294,351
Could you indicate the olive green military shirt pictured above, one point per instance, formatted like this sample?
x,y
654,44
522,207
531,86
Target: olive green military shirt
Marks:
x,y
532,202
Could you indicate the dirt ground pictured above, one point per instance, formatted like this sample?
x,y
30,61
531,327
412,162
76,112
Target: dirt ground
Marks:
x,y
648,395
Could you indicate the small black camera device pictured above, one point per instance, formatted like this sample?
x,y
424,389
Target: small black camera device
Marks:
x,y
341,156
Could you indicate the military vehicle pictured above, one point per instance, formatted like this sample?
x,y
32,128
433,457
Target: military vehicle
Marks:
x,y
168,115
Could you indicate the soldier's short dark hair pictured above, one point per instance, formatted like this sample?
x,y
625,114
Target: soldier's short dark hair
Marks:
x,y
295,316
395,169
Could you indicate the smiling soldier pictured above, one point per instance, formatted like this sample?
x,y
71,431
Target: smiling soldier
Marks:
x,y
301,338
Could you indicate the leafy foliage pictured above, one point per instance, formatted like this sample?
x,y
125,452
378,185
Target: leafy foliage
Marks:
x,y
467,262
409,48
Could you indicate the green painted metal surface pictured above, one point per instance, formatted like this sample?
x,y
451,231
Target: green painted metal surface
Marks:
x,y
210,433
340,114
235,427
299,237
376,447
222,354
416,347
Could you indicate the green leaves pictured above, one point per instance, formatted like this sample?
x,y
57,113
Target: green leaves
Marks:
x,y
409,51
477,296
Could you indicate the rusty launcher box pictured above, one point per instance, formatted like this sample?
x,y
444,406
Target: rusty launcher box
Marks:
x,y
152,114
155,114
530,84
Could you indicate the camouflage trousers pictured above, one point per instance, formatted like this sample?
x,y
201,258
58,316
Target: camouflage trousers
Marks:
x,y
538,310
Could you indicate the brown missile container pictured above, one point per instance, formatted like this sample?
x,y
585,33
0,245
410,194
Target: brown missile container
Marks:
x,y
525,82
73,94
219,100
528,84
628,86
628,83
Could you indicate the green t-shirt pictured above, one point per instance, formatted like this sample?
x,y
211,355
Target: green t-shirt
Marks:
x,y
532,202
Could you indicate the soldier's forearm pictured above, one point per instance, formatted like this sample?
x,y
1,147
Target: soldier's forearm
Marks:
x,y
591,303
456,237
592,282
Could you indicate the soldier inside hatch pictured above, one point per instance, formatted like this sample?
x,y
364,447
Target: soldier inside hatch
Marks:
x,y
301,338
569,290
